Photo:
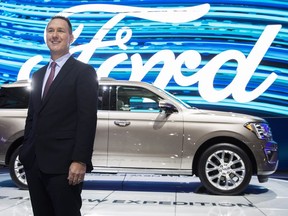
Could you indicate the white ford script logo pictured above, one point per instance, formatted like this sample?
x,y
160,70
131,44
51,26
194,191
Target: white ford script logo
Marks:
x,y
172,65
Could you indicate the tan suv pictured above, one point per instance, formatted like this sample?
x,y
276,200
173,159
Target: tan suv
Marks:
x,y
143,129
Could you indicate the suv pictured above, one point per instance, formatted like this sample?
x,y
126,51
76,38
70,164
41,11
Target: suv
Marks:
x,y
143,129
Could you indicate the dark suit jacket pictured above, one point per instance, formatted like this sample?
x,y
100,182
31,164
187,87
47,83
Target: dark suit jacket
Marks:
x,y
61,127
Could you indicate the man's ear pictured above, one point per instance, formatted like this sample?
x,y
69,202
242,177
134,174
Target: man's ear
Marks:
x,y
71,38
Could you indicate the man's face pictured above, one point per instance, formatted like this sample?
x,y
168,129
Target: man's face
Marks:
x,y
58,38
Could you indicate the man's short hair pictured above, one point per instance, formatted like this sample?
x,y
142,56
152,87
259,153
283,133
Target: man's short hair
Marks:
x,y
65,19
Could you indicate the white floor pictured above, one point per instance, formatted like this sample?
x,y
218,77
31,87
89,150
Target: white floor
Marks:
x,y
143,195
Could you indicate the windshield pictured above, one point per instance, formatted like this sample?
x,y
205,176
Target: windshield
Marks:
x,y
14,97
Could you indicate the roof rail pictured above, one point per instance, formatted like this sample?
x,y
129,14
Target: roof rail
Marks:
x,y
107,79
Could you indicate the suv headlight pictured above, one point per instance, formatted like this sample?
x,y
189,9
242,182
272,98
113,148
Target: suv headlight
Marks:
x,y
261,129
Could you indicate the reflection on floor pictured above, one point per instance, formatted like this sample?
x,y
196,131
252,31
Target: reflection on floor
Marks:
x,y
153,195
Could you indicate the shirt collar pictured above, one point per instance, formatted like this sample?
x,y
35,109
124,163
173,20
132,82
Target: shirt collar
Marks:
x,y
60,61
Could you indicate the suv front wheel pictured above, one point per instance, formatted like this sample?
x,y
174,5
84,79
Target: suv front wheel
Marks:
x,y
16,169
224,169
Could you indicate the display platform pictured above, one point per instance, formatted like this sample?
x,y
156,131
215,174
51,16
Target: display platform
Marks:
x,y
156,195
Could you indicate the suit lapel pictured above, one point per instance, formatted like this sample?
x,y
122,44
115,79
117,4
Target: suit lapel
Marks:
x,y
59,78
37,85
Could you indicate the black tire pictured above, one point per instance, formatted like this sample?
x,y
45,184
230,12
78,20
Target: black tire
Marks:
x,y
17,172
225,169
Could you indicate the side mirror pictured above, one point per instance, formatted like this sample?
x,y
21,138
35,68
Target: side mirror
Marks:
x,y
167,106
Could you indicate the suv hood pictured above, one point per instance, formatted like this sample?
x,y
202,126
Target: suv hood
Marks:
x,y
221,116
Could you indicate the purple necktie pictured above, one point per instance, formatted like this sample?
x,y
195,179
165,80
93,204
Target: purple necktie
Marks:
x,y
50,78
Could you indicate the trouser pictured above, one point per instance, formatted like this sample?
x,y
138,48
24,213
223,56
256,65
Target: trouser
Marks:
x,y
51,195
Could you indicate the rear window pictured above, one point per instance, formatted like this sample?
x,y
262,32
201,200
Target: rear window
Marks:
x,y
14,97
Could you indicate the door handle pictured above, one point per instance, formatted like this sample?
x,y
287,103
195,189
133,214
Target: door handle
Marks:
x,y
122,123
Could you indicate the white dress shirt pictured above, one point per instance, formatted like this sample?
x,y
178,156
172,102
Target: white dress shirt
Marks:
x,y
59,63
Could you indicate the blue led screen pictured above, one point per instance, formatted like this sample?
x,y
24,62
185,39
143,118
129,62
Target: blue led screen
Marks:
x,y
224,55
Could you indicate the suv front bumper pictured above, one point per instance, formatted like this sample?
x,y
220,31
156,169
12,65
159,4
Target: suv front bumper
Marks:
x,y
268,160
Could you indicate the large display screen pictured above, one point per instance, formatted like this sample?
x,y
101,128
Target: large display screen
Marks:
x,y
216,54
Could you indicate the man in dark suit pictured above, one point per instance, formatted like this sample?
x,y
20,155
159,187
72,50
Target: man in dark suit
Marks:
x,y
60,127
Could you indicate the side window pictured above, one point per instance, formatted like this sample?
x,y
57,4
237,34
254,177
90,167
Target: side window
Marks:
x,y
136,99
14,97
103,98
